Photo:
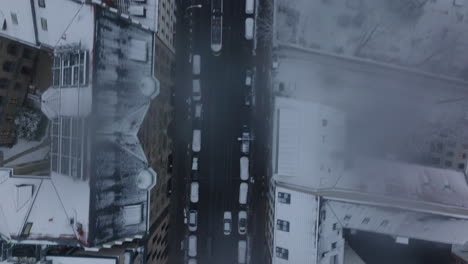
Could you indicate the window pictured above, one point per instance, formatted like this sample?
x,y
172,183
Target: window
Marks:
x,y
13,101
333,245
461,166
69,70
365,220
14,18
4,83
28,54
282,225
334,226
27,229
5,132
44,24
448,163
9,118
324,122
347,218
12,49
384,223
334,259
26,70
41,3
8,66
18,86
284,198
282,253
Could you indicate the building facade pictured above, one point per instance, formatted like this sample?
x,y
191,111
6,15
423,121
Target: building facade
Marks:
x,y
18,62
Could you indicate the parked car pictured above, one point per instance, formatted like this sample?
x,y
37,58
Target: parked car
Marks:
x,y
193,220
242,222
241,252
248,77
196,140
249,7
192,261
194,192
227,222
245,140
243,190
192,246
198,111
196,61
194,163
249,28
196,90
244,168
216,34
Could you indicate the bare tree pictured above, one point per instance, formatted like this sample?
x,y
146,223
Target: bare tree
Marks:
x,y
265,22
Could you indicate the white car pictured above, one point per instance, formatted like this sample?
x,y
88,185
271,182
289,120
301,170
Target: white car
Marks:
x,y
245,143
249,28
242,222
193,220
196,61
192,261
192,246
241,252
227,223
196,90
195,163
194,192
243,190
249,6
196,140
244,168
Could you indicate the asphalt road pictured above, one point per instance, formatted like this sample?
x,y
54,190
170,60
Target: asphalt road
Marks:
x,y
222,81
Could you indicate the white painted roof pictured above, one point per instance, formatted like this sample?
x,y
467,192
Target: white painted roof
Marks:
x,y
300,240
151,11
24,30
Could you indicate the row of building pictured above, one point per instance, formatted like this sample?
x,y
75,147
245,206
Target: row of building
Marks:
x,y
104,196
336,192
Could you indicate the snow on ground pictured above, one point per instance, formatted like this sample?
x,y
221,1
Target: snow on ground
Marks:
x,y
431,38
20,146
39,154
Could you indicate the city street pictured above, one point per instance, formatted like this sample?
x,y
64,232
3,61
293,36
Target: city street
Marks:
x,y
222,81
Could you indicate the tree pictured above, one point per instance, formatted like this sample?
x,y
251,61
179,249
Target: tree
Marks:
x,y
265,23
28,123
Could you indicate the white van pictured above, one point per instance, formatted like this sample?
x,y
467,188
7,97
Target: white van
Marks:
x,y
194,192
243,189
244,168
193,220
241,251
196,64
249,6
196,140
249,28
192,246
196,90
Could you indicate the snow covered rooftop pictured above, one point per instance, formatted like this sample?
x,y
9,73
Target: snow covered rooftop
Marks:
x,y
403,223
307,140
309,153
81,260
146,12
91,196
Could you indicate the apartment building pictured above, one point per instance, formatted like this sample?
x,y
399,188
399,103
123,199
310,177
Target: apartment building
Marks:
x,y
17,61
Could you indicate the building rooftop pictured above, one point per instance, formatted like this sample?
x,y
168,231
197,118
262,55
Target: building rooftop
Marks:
x,y
91,196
